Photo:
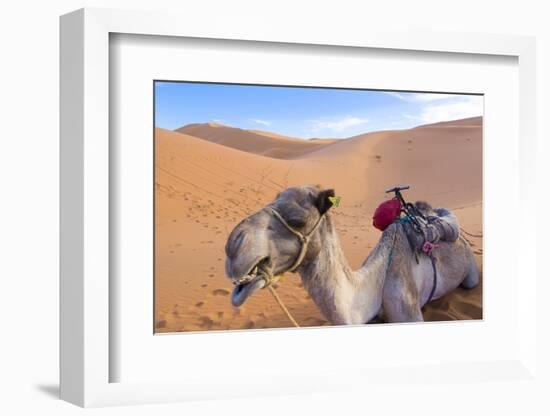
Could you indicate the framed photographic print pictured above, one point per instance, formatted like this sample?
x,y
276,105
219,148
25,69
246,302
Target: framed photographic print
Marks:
x,y
247,215
248,196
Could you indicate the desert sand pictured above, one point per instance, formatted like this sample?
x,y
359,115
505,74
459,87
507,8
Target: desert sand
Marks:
x,y
209,177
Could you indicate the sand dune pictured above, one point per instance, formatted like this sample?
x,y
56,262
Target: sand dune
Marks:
x,y
252,141
323,140
442,164
203,189
473,122
274,135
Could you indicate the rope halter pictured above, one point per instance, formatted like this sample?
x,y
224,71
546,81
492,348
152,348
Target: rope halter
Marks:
x,y
304,238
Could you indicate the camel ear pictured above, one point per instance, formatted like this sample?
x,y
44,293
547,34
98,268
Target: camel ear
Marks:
x,y
323,202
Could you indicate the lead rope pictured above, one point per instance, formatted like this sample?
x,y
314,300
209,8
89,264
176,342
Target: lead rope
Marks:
x,y
282,305
304,240
470,234
269,284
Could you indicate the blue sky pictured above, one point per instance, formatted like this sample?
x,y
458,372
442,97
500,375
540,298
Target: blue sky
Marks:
x,y
305,112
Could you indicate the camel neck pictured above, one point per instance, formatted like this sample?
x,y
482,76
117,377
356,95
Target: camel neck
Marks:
x,y
343,295
372,273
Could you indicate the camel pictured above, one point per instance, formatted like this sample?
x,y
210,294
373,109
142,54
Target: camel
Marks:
x,y
391,285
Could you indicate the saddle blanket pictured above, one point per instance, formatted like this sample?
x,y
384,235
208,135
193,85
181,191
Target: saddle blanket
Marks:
x,y
440,225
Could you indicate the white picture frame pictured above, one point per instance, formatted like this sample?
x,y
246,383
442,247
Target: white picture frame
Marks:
x,y
86,356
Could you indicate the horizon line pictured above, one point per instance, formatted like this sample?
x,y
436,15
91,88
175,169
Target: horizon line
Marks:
x,y
216,124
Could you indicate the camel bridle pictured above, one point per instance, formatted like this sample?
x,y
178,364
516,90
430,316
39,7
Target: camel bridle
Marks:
x,y
304,242
304,238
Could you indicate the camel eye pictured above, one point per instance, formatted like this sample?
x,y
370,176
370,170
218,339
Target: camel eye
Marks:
x,y
296,222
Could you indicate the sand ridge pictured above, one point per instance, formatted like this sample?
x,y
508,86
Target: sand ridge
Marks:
x,y
205,188
253,141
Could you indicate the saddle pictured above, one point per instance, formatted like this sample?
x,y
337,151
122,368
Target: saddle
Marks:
x,y
425,231
423,225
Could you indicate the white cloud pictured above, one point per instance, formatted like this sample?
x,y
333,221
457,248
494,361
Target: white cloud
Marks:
x,y
261,122
463,107
337,125
433,108
421,97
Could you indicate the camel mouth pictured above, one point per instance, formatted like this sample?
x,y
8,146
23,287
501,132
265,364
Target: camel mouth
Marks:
x,y
246,285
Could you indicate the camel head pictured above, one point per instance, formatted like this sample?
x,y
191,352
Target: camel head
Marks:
x,y
262,245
